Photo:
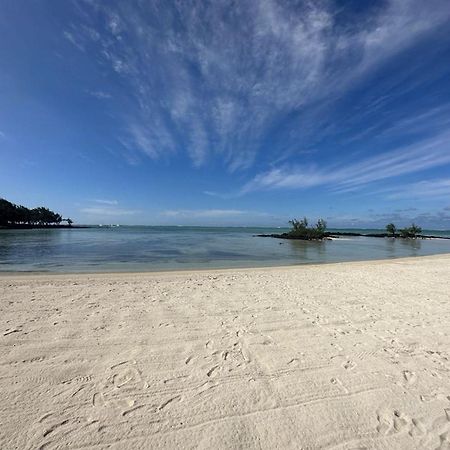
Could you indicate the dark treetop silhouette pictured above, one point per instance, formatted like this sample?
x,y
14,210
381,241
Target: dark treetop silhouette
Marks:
x,y
18,216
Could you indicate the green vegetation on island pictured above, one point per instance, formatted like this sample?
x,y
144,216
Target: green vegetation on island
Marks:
x,y
414,231
391,229
18,216
301,230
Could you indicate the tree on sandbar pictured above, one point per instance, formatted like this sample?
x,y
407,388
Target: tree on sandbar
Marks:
x,y
391,229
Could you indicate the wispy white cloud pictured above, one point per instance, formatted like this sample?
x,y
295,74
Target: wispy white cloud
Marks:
x,y
74,38
105,202
101,209
212,193
219,80
346,176
223,196
2,135
101,95
431,120
435,189
108,211
154,141
210,213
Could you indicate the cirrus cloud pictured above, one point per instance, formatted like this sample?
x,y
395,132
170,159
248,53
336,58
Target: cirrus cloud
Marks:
x,y
214,81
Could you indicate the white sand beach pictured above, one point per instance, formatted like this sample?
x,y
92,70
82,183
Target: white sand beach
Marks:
x,y
339,356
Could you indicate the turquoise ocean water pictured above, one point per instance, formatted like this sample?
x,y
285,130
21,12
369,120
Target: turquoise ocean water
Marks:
x,y
139,248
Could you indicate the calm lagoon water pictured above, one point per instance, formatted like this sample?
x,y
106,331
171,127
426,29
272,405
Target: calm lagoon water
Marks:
x,y
125,248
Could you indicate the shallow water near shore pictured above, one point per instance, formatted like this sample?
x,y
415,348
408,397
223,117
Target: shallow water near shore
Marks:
x,y
139,248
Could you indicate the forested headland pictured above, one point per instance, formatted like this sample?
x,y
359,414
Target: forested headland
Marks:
x,y
18,216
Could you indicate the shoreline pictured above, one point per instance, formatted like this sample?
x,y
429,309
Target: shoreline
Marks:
x,y
289,267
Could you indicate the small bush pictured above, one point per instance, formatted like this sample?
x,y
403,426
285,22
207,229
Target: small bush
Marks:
x,y
391,229
300,229
411,232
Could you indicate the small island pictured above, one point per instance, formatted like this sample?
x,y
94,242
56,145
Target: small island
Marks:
x,y
302,231
14,216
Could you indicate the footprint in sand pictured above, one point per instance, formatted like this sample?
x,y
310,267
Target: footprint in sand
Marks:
x,y
349,365
435,395
445,441
418,429
212,371
394,421
124,377
401,422
390,422
442,423
175,399
124,373
52,426
438,437
410,377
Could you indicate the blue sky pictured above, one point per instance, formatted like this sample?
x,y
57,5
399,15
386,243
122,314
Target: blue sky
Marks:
x,y
226,112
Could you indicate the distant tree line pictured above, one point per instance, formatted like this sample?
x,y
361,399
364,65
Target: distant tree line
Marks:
x,y
301,230
409,232
14,215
